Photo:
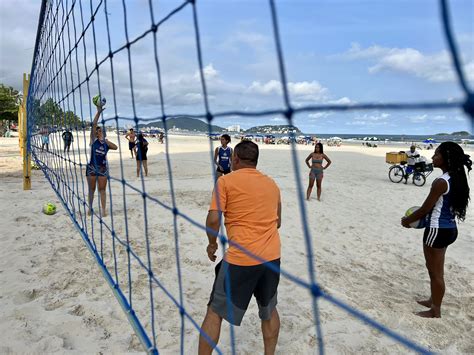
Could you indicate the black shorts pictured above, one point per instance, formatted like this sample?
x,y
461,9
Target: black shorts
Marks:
x,y
91,170
131,145
223,171
141,156
439,237
245,281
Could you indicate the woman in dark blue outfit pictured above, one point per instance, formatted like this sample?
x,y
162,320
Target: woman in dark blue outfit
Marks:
x,y
97,169
447,200
141,148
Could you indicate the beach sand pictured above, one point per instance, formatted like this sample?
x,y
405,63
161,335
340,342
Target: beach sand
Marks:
x,y
55,300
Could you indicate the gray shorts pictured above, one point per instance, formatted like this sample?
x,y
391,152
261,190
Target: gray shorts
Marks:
x,y
243,282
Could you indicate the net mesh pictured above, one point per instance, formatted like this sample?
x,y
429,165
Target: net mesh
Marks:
x,y
75,58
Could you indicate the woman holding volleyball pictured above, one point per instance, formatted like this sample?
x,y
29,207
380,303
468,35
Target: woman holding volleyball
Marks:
x,y
447,200
97,169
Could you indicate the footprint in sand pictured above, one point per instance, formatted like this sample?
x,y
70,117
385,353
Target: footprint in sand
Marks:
x,y
78,310
27,296
51,306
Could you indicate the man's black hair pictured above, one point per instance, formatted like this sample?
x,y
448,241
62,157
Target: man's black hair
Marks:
x,y
247,151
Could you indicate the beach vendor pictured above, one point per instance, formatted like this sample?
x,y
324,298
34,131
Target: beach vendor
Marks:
x,y
413,156
447,200
97,170
253,224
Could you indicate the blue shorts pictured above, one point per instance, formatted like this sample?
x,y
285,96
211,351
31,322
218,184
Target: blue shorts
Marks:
x,y
316,173
45,140
91,170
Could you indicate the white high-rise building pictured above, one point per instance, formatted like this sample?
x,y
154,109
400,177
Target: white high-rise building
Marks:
x,y
234,128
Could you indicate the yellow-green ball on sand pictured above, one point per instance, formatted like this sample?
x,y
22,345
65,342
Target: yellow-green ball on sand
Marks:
x,y
49,208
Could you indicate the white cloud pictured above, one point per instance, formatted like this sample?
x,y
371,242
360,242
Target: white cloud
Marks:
x,y
17,39
370,119
342,101
299,91
436,67
270,87
209,73
277,119
418,118
318,115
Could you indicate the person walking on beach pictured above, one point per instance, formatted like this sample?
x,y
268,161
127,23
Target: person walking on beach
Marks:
x,y
251,205
447,200
97,170
141,148
223,157
317,169
45,138
131,137
68,138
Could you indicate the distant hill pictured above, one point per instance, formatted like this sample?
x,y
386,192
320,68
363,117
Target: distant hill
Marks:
x,y
458,134
183,123
279,129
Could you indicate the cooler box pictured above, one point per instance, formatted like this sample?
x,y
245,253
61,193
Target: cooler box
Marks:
x,y
395,157
420,167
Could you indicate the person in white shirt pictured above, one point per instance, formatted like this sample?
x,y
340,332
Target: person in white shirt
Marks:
x,y
413,156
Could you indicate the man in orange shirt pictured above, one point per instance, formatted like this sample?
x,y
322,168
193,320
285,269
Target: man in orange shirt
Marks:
x,y
251,205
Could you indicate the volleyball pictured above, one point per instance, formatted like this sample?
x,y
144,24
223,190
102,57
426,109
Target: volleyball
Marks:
x,y
49,208
421,223
98,101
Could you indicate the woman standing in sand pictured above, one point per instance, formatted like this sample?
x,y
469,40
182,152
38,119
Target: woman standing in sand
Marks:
x,y
316,172
223,157
448,199
97,169
141,148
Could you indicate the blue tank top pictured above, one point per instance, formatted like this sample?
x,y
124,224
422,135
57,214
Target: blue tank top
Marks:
x,y
224,157
442,215
99,151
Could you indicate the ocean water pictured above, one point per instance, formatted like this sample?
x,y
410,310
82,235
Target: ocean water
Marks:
x,y
397,137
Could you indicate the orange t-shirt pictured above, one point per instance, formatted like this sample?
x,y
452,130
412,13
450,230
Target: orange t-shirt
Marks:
x,y
249,201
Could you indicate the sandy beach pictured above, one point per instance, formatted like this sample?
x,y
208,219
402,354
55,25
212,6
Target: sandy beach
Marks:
x,y
55,300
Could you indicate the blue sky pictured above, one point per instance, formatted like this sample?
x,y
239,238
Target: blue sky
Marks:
x,y
335,52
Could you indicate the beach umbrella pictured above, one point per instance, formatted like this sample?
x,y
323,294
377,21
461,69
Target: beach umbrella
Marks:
x,y
430,140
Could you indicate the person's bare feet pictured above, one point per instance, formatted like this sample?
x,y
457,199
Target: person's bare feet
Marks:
x,y
424,303
429,314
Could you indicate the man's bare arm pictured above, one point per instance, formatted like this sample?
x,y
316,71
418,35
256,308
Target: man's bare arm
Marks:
x,y
212,230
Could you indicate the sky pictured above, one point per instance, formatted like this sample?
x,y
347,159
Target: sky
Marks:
x,y
335,51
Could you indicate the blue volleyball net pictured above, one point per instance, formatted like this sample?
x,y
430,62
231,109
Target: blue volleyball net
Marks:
x,y
76,58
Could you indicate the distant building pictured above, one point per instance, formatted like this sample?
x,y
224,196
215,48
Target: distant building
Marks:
x,y
234,128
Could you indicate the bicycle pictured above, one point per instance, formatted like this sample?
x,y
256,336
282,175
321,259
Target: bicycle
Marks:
x,y
420,172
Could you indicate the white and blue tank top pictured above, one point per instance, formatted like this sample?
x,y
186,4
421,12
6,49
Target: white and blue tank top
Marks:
x,y
99,151
442,215
224,157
